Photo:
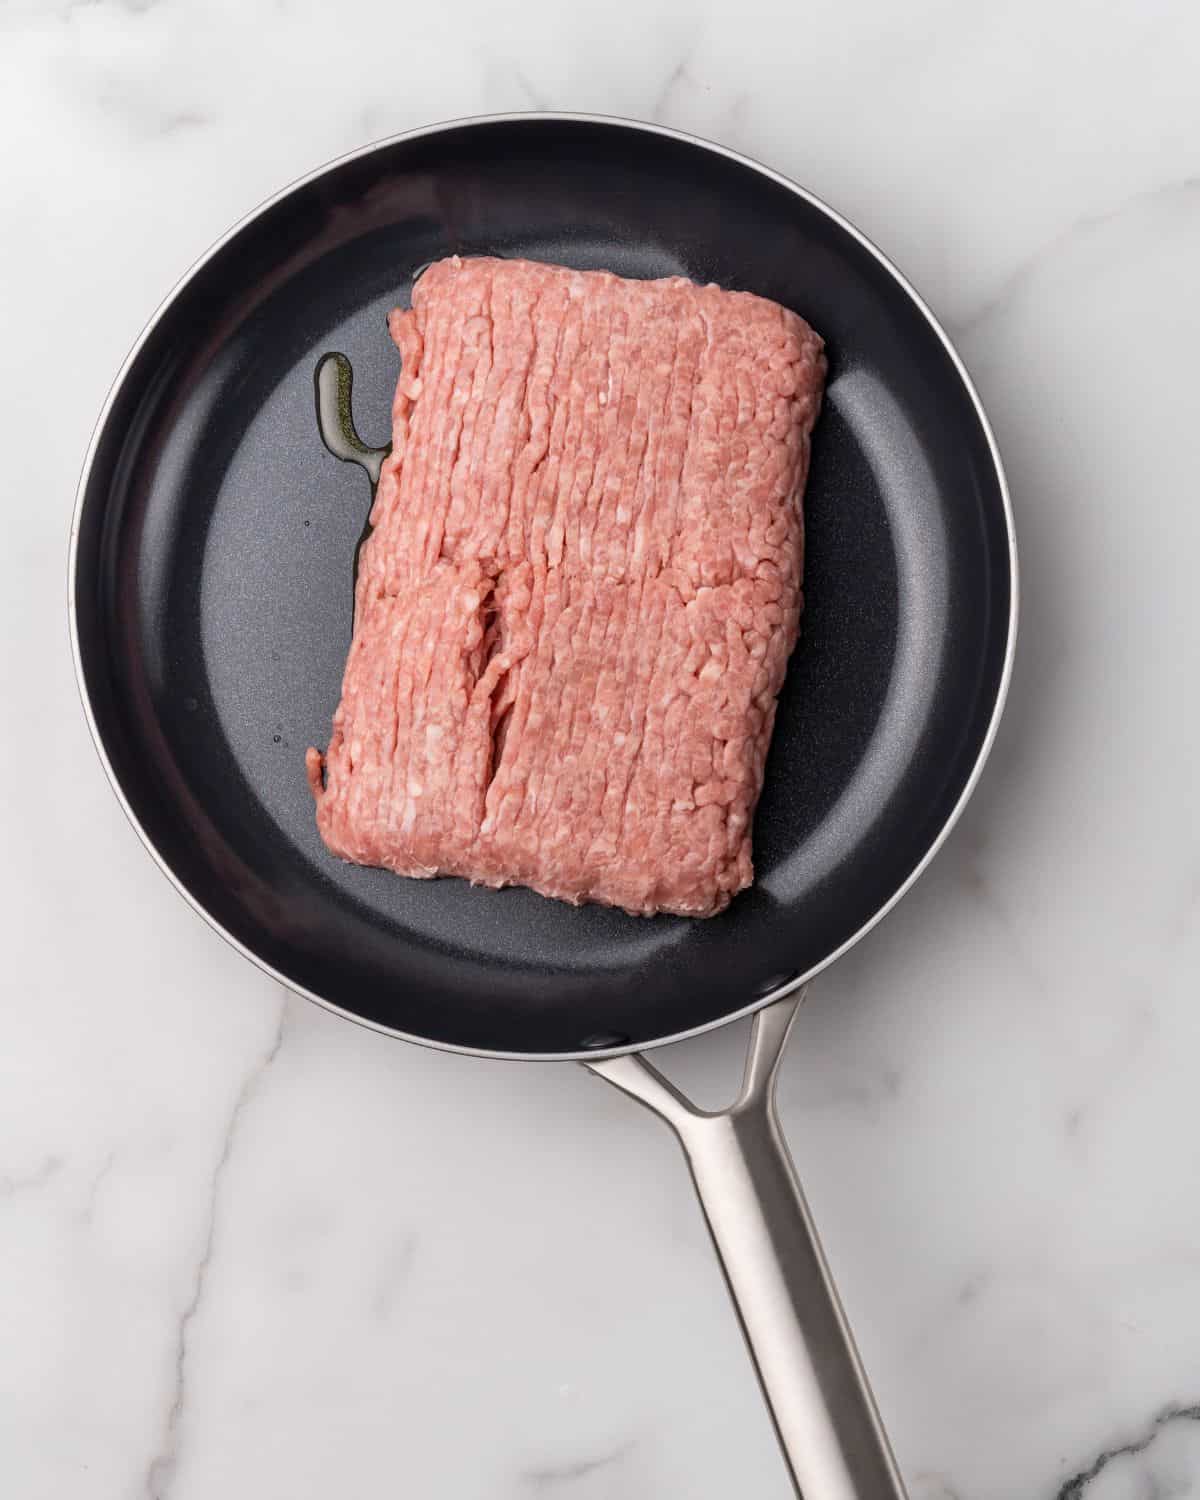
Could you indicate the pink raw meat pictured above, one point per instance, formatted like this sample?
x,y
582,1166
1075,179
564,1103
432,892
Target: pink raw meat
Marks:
x,y
575,611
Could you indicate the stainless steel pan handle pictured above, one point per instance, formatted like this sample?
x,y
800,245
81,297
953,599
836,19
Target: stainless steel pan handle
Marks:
x,y
801,1345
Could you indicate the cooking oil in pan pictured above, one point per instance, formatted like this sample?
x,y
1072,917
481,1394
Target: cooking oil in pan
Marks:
x,y
334,379
335,419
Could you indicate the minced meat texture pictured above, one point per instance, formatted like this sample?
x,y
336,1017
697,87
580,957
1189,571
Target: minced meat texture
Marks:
x,y
575,611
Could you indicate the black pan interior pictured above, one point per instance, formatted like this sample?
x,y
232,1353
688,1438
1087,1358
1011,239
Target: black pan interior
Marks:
x,y
213,587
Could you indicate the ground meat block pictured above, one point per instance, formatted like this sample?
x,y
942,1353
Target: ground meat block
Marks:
x,y
575,611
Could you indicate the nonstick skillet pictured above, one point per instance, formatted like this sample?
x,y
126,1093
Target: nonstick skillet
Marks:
x,y
210,595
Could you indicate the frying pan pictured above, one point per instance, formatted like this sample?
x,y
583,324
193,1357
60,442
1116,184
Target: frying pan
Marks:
x,y
210,593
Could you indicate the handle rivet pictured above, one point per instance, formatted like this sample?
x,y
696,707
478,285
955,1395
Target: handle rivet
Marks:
x,y
603,1039
776,982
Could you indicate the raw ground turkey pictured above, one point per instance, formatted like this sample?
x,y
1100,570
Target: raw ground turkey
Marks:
x,y
574,614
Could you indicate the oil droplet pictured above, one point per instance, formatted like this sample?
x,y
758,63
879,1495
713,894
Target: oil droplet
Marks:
x,y
334,378
277,738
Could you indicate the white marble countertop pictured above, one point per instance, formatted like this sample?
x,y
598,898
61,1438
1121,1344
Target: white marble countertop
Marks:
x,y
249,1250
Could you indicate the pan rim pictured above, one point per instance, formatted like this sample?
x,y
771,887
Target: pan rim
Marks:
x,y
797,981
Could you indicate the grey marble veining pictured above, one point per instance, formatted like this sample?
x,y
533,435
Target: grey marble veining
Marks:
x,y
236,1257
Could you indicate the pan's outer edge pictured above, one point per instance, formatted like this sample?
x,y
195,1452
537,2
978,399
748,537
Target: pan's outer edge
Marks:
x,y
754,166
